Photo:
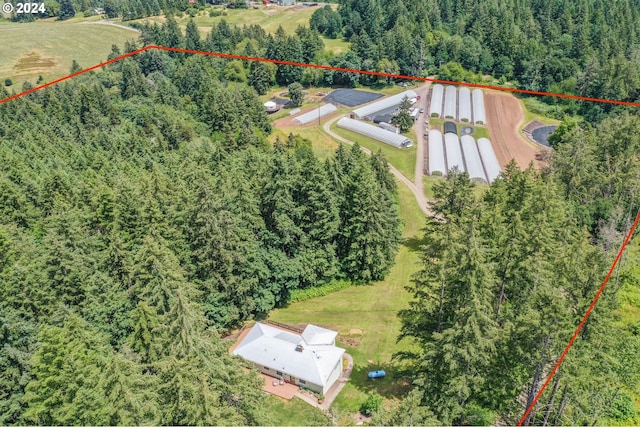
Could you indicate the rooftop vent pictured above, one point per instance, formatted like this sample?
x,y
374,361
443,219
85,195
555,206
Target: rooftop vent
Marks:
x,y
299,348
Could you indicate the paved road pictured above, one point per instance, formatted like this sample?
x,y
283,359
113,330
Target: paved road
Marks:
x,y
418,194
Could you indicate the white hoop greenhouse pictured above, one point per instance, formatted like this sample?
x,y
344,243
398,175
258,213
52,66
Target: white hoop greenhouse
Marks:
x,y
375,132
464,104
435,108
316,114
472,159
437,164
454,153
491,165
478,107
450,108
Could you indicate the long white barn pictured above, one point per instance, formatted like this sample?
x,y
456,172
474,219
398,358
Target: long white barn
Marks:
x,y
375,132
370,110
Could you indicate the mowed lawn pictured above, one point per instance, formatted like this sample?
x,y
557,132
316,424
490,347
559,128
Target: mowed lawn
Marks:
x,y
47,49
366,317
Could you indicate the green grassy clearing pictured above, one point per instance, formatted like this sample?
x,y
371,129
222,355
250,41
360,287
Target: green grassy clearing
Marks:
x,y
269,18
335,46
294,412
404,159
323,146
366,317
530,116
29,50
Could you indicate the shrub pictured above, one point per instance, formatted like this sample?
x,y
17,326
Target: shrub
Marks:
x,y
371,405
317,291
8,82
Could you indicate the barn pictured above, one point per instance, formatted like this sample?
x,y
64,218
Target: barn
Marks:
x,y
375,132
310,360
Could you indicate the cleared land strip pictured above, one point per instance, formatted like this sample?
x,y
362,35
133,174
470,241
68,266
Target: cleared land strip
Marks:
x,y
420,198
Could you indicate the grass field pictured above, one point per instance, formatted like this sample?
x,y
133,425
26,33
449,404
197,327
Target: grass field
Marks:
x,y
46,49
402,158
294,412
323,146
366,317
269,18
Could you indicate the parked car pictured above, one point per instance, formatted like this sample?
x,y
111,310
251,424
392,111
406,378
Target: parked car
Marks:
x,y
421,110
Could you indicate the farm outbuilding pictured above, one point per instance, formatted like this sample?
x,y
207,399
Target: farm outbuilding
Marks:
x,y
375,132
453,151
479,116
491,165
450,127
310,360
450,99
472,159
369,111
437,164
316,114
270,106
464,104
435,107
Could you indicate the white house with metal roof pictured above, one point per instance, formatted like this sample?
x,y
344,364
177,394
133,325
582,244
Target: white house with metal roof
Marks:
x,y
310,360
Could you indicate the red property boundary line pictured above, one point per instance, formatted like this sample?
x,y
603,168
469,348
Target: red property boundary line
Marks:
x,y
582,322
397,76
321,67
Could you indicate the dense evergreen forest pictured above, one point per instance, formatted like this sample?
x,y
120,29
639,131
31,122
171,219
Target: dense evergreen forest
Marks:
x,y
142,211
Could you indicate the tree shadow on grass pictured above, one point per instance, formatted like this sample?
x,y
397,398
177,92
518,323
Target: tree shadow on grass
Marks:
x,y
413,243
394,385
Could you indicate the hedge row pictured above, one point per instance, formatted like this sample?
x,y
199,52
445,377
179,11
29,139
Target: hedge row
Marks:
x,y
318,291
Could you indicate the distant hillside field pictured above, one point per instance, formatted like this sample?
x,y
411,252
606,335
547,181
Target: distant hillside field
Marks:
x,y
268,18
29,50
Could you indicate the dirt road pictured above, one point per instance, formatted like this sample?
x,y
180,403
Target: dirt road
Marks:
x,y
504,117
418,194
124,27
419,128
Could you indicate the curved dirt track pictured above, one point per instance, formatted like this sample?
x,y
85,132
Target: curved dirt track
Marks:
x,y
504,117
418,194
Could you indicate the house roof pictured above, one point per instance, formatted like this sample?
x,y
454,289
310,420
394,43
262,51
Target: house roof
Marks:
x,y
276,348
